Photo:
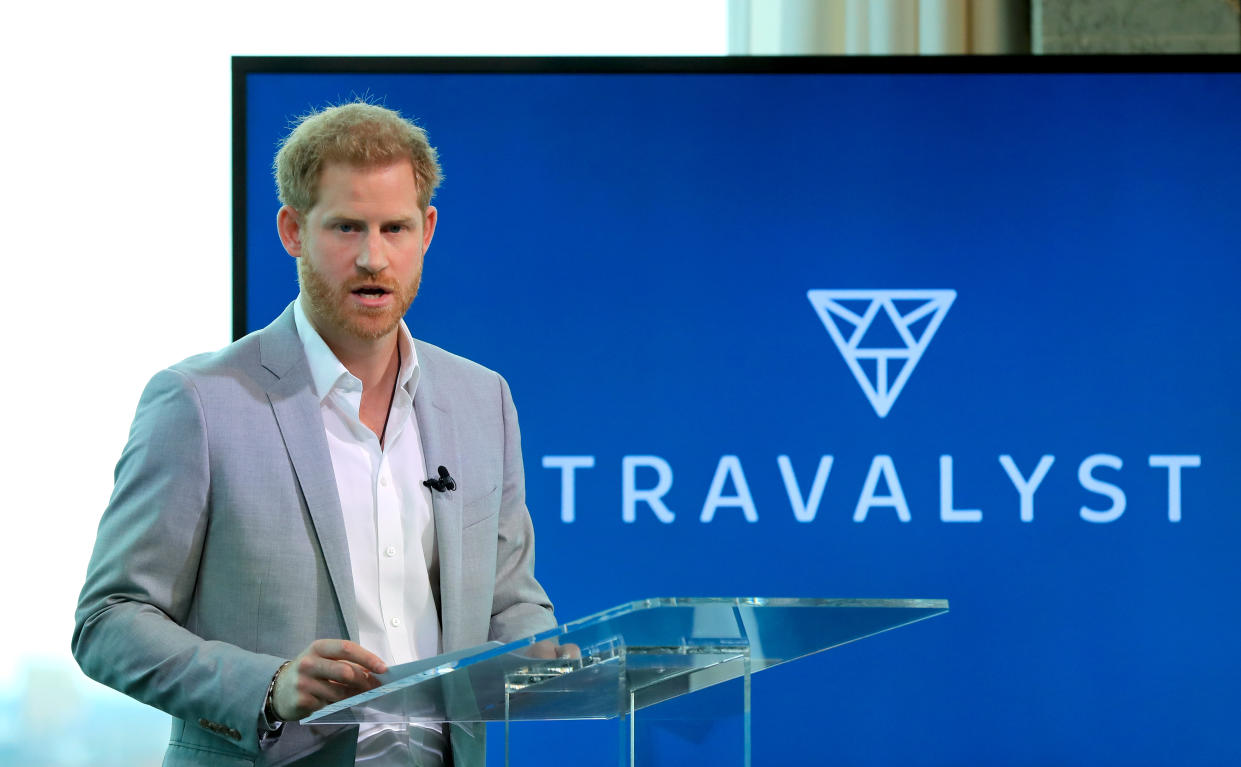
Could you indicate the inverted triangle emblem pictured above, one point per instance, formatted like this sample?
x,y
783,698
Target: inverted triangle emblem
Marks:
x,y
882,334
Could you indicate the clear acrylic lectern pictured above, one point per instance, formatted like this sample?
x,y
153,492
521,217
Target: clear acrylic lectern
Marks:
x,y
628,659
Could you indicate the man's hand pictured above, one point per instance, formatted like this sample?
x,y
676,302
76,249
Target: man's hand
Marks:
x,y
327,671
550,649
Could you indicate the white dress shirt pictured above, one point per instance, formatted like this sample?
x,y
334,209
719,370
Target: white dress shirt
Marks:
x,y
388,519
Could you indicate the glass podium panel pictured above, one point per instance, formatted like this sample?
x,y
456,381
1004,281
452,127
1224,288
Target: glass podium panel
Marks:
x,y
616,663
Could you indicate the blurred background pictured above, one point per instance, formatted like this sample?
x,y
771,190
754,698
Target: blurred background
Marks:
x,y
118,174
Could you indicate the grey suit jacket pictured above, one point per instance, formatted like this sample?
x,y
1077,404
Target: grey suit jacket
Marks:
x,y
222,552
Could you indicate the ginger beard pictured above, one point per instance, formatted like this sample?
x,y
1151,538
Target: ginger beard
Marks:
x,y
335,306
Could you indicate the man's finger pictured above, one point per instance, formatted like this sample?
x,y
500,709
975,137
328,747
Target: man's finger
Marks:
x,y
339,672
343,649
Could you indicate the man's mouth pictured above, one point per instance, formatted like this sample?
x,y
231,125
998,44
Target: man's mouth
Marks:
x,y
372,295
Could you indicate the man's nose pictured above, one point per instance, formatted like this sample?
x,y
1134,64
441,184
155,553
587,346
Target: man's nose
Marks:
x,y
373,255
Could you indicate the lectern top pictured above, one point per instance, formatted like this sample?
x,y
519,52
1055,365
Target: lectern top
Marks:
x,y
626,657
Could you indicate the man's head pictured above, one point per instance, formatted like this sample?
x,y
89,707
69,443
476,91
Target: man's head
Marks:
x,y
358,134
356,183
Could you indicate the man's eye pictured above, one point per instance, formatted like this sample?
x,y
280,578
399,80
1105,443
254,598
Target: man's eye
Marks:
x,y
347,228
397,228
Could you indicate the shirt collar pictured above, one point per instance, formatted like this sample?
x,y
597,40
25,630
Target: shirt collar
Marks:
x,y
327,372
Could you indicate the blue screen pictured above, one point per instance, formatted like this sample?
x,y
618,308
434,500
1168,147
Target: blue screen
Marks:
x,y
969,336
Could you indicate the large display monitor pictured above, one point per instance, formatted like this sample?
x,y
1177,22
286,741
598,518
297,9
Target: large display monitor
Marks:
x,y
955,327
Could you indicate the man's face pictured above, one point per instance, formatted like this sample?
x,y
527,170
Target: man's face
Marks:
x,y
359,249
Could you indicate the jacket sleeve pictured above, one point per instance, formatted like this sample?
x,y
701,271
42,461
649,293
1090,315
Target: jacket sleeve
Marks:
x,y
520,607
133,626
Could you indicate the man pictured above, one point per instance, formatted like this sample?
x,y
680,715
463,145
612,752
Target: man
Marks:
x,y
273,542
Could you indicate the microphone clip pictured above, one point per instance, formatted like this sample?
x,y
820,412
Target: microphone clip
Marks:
x,y
443,484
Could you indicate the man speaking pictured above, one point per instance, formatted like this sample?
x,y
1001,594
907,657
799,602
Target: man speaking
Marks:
x,y
323,498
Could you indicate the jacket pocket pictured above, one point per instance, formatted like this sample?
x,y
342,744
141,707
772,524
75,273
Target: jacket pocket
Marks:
x,y
480,508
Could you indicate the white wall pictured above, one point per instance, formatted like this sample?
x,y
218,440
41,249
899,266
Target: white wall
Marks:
x,y
116,194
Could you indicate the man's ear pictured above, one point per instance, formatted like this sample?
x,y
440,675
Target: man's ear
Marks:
x,y
428,226
289,225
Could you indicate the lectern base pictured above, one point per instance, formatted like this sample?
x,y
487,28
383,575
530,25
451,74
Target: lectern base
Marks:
x,y
706,729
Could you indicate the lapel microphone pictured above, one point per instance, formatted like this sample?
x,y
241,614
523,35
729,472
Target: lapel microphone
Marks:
x,y
443,484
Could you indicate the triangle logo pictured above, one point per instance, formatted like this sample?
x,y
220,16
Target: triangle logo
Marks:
x,y
882,334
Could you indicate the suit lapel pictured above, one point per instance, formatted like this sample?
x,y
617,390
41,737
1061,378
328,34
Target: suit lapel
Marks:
x,y
297,413
439,448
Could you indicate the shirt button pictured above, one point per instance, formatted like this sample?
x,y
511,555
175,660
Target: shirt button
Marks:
x,y
390,551
383,481
396,622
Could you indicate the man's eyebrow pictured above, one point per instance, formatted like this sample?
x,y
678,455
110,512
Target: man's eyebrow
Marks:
x,y
332,219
